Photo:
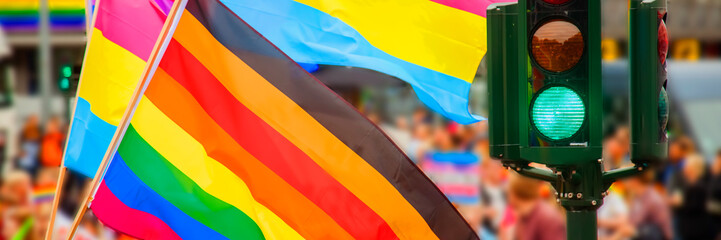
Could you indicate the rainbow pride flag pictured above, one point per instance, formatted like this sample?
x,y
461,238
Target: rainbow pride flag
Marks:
x,y
234,140
19,15
435,46
123,35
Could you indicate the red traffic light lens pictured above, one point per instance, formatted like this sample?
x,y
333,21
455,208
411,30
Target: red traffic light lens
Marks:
x,y
557,45
662,42
556,2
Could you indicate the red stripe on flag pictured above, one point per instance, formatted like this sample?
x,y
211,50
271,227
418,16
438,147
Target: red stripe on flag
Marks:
x,y
271,148
265,185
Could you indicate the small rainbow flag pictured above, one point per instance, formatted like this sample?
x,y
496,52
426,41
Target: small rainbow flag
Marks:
x,y
43,193
233,140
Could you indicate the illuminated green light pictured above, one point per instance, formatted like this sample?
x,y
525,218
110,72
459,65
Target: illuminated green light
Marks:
x,y
67,71
558,112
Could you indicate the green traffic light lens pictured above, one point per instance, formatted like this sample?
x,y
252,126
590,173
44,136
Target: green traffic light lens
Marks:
x,y
558,112
67,71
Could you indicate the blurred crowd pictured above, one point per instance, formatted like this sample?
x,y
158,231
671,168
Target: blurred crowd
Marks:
x,y
28,182
679,199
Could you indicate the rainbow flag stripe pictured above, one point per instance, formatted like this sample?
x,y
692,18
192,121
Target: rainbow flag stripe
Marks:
x,y
408,39
23,14
123,36
232,136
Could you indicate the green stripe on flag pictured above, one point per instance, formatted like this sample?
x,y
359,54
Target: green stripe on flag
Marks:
x,y
170,183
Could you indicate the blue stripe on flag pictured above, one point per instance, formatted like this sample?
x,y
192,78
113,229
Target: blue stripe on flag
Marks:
x,y
311,36
88,141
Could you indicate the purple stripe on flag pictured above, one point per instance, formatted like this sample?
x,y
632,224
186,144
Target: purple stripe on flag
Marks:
x,y
162,5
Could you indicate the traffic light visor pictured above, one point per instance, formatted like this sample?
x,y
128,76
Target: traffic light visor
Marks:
x,y
558,112
557,45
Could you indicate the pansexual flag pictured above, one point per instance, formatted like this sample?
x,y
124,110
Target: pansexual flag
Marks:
x,y
435,46
232,139
123,35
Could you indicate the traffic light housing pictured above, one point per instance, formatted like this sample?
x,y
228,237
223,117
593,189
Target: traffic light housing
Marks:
x,y
648,50
503,84
545,81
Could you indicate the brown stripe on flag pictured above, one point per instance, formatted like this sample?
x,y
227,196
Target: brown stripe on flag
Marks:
x,y
347,124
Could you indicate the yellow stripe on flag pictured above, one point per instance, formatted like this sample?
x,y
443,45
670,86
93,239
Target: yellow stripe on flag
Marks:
x,y
432,35
189,156
291,121
108,81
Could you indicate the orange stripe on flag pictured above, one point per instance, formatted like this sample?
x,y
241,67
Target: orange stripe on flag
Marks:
x,y
289,119
267,187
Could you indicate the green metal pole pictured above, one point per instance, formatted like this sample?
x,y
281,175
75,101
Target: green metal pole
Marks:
x,y
581,225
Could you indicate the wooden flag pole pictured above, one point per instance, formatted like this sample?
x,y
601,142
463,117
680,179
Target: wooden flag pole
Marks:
x,y
56,199
63,170
160,45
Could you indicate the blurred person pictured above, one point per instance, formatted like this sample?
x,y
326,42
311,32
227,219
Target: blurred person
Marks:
x,y
616,148
493,197
688,199
713,202
443,140
30,144
536,219
613,216
15,206
649,214
678,149
420,116
51,152
41,211
16,189
420,142
399,133
374,118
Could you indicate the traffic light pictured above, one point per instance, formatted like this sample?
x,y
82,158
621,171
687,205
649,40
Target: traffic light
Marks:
x,y
551,114
66,71
648,50
562,109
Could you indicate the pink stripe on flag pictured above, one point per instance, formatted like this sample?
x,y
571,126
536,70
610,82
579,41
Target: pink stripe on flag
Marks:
x,y
477,7
115,214
132,24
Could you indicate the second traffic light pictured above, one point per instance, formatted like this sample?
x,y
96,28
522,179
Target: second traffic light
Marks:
x,y
66,71
648,49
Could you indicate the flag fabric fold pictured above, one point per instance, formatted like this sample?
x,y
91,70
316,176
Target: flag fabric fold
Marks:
x,y
233,139
122,37
435,46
